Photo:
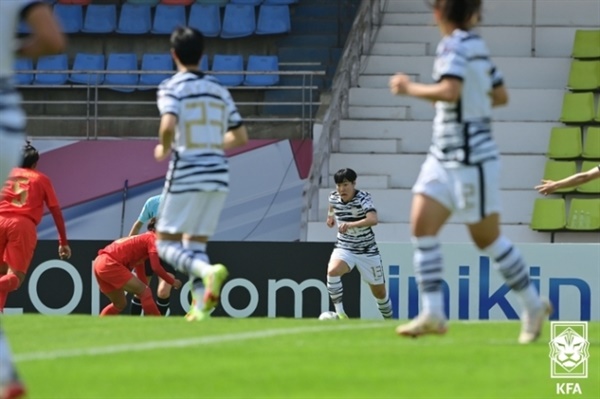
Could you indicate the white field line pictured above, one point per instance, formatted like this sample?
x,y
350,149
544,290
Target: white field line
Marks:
x,y
186,342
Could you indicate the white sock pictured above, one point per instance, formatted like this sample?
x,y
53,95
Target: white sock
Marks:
x,y
433,303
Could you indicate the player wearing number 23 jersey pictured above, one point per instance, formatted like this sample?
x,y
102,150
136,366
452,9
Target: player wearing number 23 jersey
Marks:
x,y
21,209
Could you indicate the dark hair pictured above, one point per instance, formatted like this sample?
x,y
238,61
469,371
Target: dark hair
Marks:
x,y
458,11
152,224
30,156
344,174
188,44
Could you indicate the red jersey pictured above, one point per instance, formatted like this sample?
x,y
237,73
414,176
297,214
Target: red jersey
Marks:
x,y
25,193
132,250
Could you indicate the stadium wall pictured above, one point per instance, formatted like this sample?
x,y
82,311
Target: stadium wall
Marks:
x,y
288,280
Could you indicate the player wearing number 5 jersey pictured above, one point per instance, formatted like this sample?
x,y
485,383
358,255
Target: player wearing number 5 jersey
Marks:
x,y
199,121
21,209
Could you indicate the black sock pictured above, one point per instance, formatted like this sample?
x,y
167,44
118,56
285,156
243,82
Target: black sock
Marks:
x,y
136,306
163,305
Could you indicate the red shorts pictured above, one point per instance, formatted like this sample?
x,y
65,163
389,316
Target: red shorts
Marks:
x,y
110,274
18,238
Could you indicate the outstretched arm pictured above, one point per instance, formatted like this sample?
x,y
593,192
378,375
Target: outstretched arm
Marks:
x,y
448,89
549,186
46,37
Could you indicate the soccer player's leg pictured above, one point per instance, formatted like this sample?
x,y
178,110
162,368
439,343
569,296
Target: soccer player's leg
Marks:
x,y
371,270
340,263
163,296
10,150
11,386
135,286
135,307
18,239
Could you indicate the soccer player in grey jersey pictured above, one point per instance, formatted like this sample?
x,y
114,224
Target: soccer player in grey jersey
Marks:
x,y
354,213
461,174
199,121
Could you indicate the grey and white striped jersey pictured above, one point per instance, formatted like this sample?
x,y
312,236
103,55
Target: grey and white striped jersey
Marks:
x,y
205,112
360,240
462,130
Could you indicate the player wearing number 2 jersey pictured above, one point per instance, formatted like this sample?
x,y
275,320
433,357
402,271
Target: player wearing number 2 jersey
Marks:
x,y
21,208
199,121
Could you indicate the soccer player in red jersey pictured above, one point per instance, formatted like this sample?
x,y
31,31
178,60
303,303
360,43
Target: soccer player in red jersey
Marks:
x,y
113,266
21,208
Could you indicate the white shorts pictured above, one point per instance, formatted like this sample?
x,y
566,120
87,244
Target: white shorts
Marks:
x,y
195,213
470,192
369,266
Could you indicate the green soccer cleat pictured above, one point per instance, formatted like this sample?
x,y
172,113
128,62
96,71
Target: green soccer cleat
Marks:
x,y
212,286
196,314
342,316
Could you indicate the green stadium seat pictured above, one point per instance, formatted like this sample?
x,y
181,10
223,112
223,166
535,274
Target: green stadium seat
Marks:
x,y
584,214
577,108
558,170
565,143
548,214
591,146
584,75
593,186
597,118
586,44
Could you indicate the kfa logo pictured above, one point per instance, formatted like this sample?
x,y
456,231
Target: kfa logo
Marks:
x,y
569,354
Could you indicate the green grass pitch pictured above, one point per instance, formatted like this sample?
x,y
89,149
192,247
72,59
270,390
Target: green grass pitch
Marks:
x,y
134,357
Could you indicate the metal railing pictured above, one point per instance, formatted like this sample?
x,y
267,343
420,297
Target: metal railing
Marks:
x,y
92,100
360,39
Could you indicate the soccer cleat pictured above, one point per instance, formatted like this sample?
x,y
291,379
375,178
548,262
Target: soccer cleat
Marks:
x,y
342,316
196,314
531,323
422,325
212,286
13,390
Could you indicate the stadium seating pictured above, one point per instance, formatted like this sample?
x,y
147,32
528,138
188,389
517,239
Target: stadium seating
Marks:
x,y
147,2
584,75
220,3
135,19
79,2
280,2
23,64
167,18
593,186
155,62
584,214
273,19
239,21
577,108
206,18
204,63
258,63
122,62
87,62
23,28
177,2
558,170
591,146
585,45
565,143
69,16
224,63
548,214
100,18
248,2
58,62
597,117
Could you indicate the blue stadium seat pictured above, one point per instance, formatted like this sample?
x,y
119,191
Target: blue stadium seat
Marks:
x,y
223,63
70,17
273,20
239,21
135,19
167,18
155,62
100,18
148,2
88,62
258,63
58,62
23,64
206,18
122,62
280,2
23,28
220,3
249,2
204,63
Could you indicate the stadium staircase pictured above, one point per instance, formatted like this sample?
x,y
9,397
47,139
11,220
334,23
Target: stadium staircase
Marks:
x,y
385,138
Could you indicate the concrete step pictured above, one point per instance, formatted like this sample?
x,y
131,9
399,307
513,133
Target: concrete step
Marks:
x,y
370,182
407,6
520,172
377,113
370,146
407,48
453,233
408,18
503,41
415,136
519,72
393,204
380,81
524,105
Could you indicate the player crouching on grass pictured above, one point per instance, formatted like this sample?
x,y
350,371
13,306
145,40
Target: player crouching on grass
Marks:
x,y
113,266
